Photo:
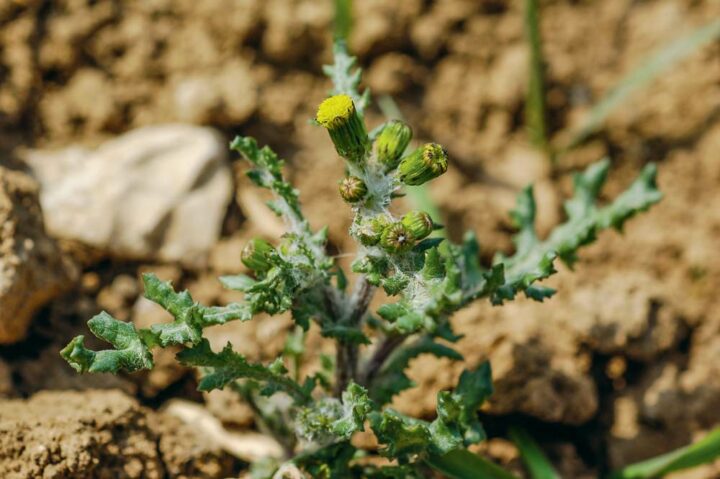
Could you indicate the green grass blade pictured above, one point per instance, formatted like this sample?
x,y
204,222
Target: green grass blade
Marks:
x,y
535,460
419,196
463,464
343,19
702,452
656,64
535,110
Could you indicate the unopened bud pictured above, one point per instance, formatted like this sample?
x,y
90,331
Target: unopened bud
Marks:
x,y
370,231
397,239
418,223
422,165
352,189
256,255
347,131
392,142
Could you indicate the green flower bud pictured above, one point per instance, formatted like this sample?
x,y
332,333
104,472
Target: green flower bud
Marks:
x,y
422,165
418,223
347,131
352,189
392,142
370,231
256,255
397,239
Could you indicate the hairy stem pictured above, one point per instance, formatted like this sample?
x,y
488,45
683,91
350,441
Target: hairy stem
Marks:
x,y
347,352
383,351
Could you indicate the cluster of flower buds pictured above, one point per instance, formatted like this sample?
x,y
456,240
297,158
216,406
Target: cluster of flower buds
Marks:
x,y
398,236
347,131
257,255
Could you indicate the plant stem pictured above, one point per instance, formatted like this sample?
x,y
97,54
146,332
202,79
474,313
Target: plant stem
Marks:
x,y
343,19
535,109
347,352
345,366
383,351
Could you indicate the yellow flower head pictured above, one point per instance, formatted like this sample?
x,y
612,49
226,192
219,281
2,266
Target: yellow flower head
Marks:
x,y
335,111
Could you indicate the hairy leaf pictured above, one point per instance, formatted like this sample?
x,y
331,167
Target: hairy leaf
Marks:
x,y
130,353
228,366
267,173
533,259
346,78
330,420
400,435
457,424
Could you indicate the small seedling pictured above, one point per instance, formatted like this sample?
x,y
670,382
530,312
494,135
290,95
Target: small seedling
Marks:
x,y
427,280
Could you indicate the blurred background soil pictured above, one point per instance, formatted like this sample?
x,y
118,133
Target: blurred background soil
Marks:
x,y
620,365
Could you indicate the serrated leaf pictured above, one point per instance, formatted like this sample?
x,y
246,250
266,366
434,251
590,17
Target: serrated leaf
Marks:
x,y
180,305
186,329
356,406
474,387
533,259
457,424
391,379
130,353
345,77
222,314
400,435
267,173
331,420
190,317
228,366
471,258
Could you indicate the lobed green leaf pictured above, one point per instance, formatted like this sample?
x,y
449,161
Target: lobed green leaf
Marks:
x,y
227,366
533,259
130,353
345,77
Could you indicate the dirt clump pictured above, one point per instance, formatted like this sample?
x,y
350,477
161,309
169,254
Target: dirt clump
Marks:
x,y
95,434
33,269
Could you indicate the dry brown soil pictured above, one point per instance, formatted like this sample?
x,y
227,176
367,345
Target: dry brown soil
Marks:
x,y
620,365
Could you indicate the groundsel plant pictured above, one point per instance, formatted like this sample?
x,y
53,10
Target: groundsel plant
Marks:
x,y
426,278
